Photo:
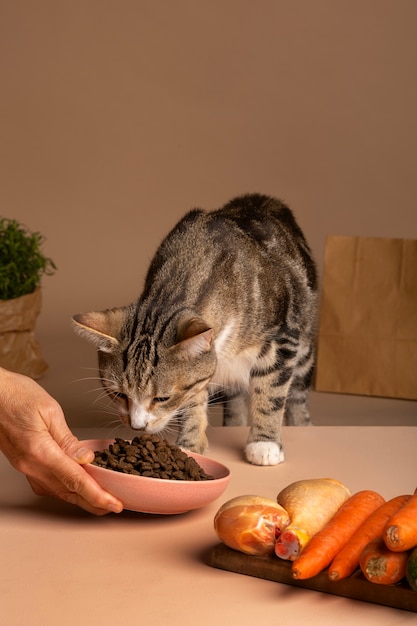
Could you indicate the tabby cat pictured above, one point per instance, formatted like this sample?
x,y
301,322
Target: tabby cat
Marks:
x,y
229,303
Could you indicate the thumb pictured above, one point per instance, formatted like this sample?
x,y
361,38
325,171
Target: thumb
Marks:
x,y
81,455
70,444
54,423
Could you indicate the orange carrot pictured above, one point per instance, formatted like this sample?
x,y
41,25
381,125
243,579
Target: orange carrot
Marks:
x,y
400,532
324,545
381,565
347,560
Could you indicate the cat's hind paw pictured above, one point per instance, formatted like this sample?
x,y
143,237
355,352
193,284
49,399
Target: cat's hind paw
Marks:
x,y
264,453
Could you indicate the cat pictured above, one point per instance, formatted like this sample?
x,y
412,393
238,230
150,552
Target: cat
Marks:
x,y
229,303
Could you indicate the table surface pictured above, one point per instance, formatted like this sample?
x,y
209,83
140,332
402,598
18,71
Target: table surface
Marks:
x,y
60,565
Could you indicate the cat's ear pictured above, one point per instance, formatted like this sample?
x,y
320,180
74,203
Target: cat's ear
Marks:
x,y
100,327
194,337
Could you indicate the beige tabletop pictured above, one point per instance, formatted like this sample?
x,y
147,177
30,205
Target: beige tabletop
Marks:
x,y
61,566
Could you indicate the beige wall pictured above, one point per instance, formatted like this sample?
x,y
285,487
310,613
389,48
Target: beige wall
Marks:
x,y
117,116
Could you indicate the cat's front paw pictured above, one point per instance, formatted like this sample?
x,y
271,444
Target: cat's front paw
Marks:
x,y
188,445
264,453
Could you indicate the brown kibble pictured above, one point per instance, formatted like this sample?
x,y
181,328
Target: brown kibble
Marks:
x,y
131,450
147,455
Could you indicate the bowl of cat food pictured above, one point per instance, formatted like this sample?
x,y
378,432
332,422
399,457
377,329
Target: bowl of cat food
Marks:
x,y
150,475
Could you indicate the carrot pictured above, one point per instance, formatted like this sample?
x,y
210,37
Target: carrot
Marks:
x,y
381,565
347,560
324,545
400,532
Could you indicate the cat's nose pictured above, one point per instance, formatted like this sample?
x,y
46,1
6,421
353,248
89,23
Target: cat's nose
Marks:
x,y
138,423
139,417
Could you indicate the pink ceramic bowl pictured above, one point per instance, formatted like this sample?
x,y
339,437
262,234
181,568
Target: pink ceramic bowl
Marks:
x,y
156,495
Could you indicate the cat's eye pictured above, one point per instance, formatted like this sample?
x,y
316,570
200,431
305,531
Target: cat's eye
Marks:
x,y
119,395
160,399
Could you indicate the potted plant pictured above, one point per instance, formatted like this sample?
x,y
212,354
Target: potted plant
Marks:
x,y
22,266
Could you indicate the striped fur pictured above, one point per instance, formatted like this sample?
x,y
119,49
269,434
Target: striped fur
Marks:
x,y
229,303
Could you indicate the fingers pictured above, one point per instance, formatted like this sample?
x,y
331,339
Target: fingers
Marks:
x,y
66,496
82,489
79,487
74,498
72,484
59,461
59,473
56,472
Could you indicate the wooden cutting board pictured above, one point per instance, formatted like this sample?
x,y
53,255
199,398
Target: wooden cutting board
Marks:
x,y
278,570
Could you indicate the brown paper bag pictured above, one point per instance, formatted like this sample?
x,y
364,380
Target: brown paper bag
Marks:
x,y
19,349
367,341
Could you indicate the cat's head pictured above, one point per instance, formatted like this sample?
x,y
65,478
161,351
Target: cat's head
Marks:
x,y
152,376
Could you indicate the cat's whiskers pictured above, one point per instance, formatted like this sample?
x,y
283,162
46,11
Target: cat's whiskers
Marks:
x,y
218,400
117,429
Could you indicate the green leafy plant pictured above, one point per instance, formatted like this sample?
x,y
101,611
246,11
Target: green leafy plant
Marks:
x,y
22,263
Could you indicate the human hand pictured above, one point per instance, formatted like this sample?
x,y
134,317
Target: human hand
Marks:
x,y
35,438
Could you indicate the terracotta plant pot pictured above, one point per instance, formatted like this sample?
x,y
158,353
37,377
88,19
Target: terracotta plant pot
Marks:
x,y
19,349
